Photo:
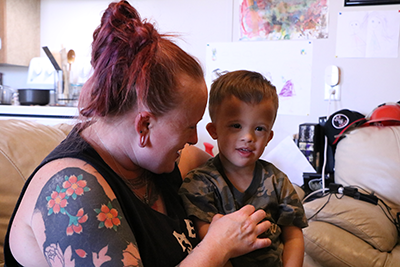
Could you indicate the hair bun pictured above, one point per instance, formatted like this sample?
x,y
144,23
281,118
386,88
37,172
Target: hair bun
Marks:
x,y
133,65
128,26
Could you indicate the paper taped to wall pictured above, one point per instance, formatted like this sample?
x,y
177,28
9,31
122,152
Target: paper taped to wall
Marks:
x,y
287,157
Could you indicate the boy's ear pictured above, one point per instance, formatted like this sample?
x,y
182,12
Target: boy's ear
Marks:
x,y
212,130
271,135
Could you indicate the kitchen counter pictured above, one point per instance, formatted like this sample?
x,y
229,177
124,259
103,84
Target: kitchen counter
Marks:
x,y
49,115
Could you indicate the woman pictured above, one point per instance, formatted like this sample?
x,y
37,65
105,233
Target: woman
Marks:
x,y
107,195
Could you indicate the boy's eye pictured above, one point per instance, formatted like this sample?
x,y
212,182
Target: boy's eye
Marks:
x,y
236,125
259,128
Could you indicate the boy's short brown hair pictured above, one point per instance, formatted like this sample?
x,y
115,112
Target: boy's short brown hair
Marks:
x,y
249,86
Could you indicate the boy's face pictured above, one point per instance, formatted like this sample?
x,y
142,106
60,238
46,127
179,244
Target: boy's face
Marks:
x,y
242,130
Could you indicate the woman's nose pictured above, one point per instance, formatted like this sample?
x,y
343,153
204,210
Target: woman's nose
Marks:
x,y
193,138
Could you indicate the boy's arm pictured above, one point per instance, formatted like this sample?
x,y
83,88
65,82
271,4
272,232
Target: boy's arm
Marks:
x,y
293,252
201,227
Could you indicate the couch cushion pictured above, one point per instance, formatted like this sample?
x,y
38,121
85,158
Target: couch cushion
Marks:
x,y
332,246
23,145
364,220
369,157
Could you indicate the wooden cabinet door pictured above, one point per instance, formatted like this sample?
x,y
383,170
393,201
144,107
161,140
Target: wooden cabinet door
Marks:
x,y
19,31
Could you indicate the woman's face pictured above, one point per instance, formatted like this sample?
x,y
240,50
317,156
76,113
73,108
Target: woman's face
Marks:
x,y
171,131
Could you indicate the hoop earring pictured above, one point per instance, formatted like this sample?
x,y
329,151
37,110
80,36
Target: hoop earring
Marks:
x,y
142,141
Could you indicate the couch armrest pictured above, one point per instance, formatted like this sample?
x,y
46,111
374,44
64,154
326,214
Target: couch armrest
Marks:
x,y
300,192
308,261
23,145
364,220
331,246
369,157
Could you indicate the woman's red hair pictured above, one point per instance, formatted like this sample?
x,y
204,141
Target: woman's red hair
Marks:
x,y
133,64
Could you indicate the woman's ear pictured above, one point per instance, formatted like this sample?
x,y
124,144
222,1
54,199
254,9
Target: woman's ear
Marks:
x,y
142,126
211,129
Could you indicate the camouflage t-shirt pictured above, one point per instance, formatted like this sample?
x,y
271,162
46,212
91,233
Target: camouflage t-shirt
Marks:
x,y
207,191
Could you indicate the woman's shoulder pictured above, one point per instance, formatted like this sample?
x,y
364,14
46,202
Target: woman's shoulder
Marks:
x,y
71,200
61,174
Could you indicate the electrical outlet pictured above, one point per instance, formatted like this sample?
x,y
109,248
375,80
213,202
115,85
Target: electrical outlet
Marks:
x,y
332,79
335,96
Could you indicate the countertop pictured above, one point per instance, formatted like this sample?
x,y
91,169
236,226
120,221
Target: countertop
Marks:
x,y
43,114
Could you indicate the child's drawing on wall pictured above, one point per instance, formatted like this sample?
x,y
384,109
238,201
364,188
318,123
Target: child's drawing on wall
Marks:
x,y
368,34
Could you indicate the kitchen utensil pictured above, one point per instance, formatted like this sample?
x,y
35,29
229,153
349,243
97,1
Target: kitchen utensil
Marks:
x,y
64,67
64,59
33,96
70,58
51,57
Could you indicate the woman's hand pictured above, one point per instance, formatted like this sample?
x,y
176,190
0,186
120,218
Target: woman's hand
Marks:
x,y
237,233
230,236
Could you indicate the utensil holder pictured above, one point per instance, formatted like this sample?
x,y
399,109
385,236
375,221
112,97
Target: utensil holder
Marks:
x,y
61,88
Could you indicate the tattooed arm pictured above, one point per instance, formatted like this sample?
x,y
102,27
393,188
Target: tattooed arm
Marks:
x,y
69,217
75,220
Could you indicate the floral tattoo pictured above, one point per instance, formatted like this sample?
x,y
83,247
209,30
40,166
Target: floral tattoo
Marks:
x,y
78,216
58,200
73,187
108,217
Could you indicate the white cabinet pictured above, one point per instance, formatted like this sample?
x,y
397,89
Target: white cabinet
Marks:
x,y
48,115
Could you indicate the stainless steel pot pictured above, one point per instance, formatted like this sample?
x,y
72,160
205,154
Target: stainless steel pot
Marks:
x,y
6,95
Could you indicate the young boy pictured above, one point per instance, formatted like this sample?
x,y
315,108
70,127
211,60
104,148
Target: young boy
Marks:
x,y
243,107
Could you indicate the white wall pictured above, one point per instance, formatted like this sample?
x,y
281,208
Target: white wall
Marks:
x,y
196,22
71,23
365,83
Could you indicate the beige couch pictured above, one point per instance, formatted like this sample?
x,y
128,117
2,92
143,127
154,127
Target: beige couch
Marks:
x,y
23,145
346,232
350,232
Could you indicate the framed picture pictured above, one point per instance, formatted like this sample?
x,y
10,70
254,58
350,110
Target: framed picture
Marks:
x,y
370,2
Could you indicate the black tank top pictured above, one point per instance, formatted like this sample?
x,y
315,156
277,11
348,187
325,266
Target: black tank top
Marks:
x,y
162,239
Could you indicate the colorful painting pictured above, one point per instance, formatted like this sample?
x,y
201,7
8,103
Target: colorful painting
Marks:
x,y
283,19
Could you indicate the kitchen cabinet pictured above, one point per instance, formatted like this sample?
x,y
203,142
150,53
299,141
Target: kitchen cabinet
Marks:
x,y
19,31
